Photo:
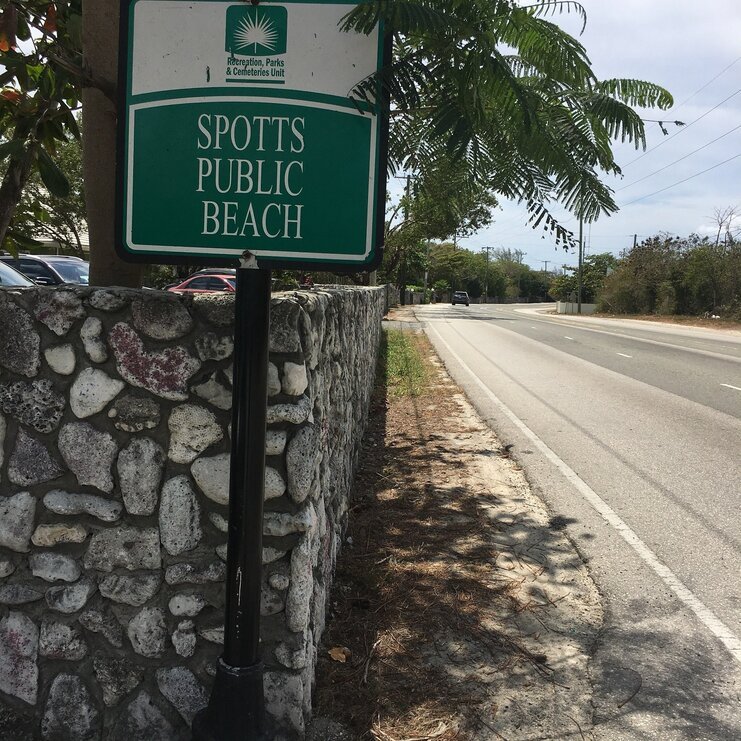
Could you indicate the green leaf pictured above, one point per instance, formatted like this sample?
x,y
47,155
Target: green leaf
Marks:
x,y
21,240
52,177
12,148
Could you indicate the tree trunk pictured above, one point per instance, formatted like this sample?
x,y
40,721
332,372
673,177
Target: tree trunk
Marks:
x,y
100,44
11,190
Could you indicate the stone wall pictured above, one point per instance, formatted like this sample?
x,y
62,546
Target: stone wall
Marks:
x,y
114,454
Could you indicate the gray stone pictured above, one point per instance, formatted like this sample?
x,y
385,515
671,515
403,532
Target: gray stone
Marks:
x,y
271,602
295,380
18,594
19,645
30,462
104,623
192,430
19,341
70,599
58,309
219,522
54,567
16,521
302,456
270,554
187,573
116,676
109,300
212,476
214,393
187,605
34,403
147,632
70,711
221,551
273,380
213,635
161,317
275,442
179,516
165,373
132,413
6,568
180,686
294,657
298,599
46,536
65,503
211,346
91,334
279,524
140,467
274,484
131,590
296,413
216,308
284,700
61,359
279,581
184,639
124,547
284,319
89,453
61,641
142,720
92,391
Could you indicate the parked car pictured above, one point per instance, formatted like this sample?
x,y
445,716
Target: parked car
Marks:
x,y
50,270
207,283
460,297
11,277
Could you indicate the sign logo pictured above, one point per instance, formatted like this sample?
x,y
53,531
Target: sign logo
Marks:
x,y
256,31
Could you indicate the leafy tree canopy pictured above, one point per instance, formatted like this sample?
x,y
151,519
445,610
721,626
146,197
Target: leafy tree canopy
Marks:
x,y
40,82
501,87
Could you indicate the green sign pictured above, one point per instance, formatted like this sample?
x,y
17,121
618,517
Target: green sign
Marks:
x,y
239,134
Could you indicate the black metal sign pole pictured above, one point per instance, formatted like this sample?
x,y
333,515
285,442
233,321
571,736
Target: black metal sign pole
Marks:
x,y
236,709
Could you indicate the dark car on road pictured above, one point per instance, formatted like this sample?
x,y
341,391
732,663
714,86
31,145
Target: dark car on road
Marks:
x,y
50,270
460,297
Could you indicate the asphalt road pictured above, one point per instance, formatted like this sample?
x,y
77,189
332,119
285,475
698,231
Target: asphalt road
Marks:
x,y
631,433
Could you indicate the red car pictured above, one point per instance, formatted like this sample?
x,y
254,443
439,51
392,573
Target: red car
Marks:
x,y
212,283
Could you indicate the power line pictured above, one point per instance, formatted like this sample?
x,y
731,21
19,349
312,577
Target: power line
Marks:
x,y
694,151
679,182
699,90
683,129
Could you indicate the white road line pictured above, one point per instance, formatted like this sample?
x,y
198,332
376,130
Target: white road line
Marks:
x,y
567,338
728,386
624,355
706,616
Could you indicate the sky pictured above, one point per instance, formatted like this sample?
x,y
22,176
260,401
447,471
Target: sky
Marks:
x,y
693,49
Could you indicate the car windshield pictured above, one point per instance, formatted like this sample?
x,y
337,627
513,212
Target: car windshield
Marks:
x,y
11,277
232,282
72,271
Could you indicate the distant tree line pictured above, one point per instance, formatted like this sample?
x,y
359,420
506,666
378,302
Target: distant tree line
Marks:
x,y
663,275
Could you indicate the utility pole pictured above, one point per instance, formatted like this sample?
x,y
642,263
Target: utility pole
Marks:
x,y
545,270
581,261
486,277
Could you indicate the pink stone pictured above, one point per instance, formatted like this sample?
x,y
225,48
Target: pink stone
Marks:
x,y
164,373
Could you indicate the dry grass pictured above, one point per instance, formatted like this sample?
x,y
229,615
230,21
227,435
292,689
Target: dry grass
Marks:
x,y
413,577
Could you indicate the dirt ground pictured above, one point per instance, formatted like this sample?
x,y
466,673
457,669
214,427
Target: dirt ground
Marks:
x,y
459,609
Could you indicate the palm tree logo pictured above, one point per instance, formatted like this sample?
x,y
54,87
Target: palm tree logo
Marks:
x,y
256,31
